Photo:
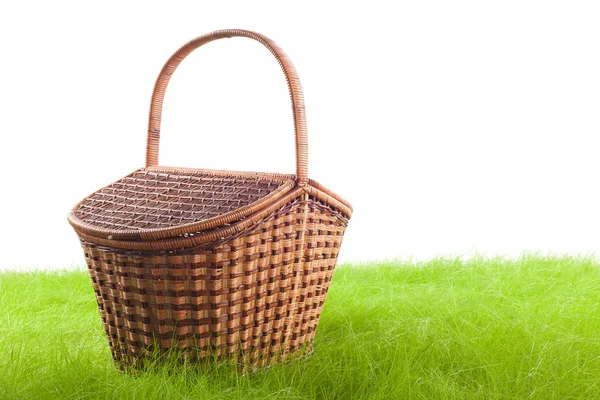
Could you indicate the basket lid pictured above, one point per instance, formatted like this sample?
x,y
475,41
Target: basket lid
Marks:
x,y
167,202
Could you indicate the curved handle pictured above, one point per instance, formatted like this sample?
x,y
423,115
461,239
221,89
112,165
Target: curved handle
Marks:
x,y
291,76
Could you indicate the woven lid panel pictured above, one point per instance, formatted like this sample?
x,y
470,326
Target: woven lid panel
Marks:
x,y
150,199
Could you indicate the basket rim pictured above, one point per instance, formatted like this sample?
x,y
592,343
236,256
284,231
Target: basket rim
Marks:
x,y
288,183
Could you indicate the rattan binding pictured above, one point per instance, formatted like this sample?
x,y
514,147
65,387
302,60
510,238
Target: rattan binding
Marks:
x,y
212,263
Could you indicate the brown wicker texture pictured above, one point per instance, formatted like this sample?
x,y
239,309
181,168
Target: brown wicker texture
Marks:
x,y
211,263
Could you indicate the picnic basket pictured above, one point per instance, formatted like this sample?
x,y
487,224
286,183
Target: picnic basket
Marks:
x,y
212,263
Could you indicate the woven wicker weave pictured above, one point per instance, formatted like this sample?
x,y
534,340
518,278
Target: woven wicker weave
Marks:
x,y
212,263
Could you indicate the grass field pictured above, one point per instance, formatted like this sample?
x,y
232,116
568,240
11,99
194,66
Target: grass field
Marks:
x,y
488,329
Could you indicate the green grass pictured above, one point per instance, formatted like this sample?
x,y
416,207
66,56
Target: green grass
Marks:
x,y
443,329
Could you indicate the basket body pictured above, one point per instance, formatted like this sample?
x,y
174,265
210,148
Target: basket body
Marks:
x,y
256,298
206,263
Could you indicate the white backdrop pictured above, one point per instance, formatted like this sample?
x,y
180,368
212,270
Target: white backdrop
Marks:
x,y
454,128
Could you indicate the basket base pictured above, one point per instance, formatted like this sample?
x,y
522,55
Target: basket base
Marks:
x,y
244,364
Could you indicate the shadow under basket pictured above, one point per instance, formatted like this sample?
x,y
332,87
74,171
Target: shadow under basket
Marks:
x,y
212,264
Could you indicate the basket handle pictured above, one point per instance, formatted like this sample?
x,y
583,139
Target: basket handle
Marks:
x,y
291,76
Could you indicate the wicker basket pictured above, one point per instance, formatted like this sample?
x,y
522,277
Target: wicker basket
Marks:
x,y
211,263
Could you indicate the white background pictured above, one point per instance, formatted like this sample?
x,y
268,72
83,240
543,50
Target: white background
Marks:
x,y
454,128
